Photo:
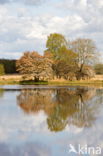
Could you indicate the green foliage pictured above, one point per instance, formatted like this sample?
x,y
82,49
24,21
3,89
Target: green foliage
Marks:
x,y
9,65
67,55
55,42
66,63
2,71
98,68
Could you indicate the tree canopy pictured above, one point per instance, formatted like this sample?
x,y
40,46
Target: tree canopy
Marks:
x,y
35,65
2,70
55,42
86,50
66,63
9,65
61,59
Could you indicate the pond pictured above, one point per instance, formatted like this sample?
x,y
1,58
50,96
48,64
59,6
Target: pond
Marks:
x,y
50,120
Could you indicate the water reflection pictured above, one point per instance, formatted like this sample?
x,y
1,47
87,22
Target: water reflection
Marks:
x,y
1,92
68,106
28,149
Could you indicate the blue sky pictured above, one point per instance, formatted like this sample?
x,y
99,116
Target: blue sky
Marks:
x,y
25,24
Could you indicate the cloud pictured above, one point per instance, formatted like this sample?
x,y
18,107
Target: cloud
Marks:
x,y
84,8
24,32
34,2
28,2
29,149
4,1
22,28
90,11
87,9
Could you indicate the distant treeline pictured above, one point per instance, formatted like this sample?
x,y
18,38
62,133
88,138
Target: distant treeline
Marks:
x,y
9,66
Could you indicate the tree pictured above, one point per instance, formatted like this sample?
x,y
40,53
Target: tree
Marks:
x,y
49,55
9,65
87,72
67,55
35,65
98,68
54,43
2,70
86,50
66,62
63,57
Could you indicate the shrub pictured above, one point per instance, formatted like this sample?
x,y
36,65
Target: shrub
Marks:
x,y
99,68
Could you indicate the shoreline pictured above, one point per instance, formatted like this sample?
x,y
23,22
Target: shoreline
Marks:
x,y
71,83
17,80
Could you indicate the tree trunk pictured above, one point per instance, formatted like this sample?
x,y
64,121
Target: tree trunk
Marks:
x,y
36,79
81,67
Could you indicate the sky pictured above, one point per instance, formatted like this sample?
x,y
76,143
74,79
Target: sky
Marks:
x,y
25,24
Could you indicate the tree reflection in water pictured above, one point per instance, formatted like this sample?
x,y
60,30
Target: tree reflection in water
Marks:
x,y
63,106
1,92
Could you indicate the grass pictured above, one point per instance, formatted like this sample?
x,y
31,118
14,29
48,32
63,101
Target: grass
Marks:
x,y
79,83
33,82
72,83
9,82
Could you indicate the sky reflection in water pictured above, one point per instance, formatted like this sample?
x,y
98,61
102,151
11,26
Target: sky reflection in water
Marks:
x,y
44,121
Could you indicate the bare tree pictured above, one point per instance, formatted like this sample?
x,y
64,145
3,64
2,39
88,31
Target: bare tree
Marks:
x,y
86,50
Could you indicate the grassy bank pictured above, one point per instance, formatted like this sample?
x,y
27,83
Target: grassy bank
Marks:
x,y
73,83
79,83
17,79
9,82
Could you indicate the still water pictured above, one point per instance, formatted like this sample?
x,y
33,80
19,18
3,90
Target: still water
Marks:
x,y
45,121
